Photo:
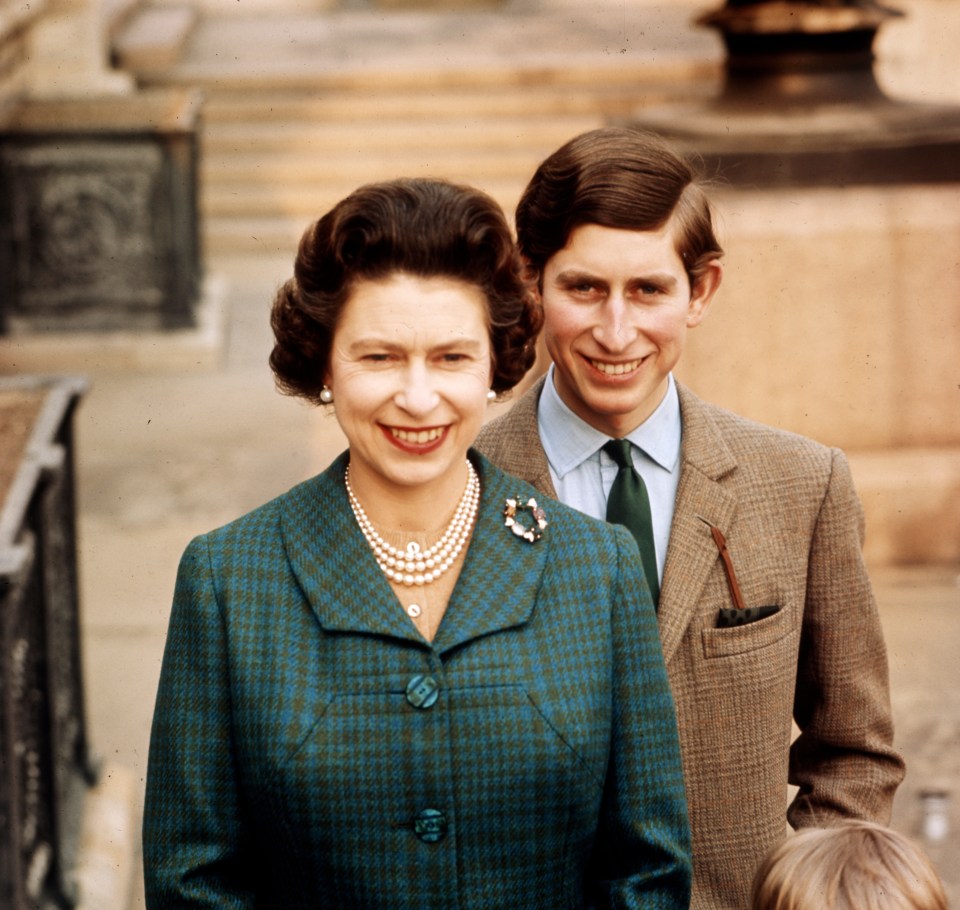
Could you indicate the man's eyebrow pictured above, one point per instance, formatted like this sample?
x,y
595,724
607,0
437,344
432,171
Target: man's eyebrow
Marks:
x,y
662,278
575,274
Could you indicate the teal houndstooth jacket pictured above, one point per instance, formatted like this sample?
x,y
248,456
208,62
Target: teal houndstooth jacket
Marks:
x,y
311,749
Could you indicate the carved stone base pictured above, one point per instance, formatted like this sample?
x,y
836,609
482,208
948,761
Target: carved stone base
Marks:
x,y
98,207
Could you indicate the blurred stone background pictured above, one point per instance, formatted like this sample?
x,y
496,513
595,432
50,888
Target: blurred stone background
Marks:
x,y
839,316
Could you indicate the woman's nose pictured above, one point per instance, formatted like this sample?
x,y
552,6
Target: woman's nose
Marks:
x,y
418,393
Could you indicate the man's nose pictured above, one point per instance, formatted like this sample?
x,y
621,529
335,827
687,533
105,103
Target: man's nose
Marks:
x,y
615,330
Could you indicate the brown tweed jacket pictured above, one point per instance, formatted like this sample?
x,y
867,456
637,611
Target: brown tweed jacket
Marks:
x,y
794,530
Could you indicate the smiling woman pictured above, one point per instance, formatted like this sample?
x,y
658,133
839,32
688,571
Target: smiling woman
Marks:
x,y
410,370
405,682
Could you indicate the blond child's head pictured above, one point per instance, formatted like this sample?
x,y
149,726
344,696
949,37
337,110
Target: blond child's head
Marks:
x,y
855,866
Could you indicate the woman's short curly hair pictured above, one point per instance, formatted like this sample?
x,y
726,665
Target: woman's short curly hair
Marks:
x,y
421,227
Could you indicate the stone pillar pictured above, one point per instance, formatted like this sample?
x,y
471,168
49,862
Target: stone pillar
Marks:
x,y
67,53
841,212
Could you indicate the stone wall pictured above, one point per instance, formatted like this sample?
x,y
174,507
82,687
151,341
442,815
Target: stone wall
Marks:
x,y
839,318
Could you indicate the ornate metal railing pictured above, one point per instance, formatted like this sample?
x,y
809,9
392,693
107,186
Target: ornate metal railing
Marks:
x,y
45,766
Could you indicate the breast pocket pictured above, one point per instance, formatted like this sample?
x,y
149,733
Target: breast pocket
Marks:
x,y
742,639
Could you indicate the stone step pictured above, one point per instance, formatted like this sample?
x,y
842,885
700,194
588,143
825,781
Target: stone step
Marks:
x,y
476,135
291,155
343,51
244,235
672,81
909,499
271,219
289,132
305,201
467,112
301,188
357,165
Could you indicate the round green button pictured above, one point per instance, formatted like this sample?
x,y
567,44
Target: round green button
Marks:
x,y
423,691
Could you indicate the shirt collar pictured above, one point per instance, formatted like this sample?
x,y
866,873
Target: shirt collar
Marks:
x,y
568,440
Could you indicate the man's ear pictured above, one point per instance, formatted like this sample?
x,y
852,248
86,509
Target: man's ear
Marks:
x,y
533,278
707,285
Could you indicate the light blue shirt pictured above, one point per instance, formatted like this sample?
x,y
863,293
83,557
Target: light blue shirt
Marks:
x,y
583,474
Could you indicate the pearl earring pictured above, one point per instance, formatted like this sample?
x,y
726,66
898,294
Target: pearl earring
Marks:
x,y
491,395
326,395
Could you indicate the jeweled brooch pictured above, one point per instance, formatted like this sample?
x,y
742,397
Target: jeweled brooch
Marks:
x,y
514,507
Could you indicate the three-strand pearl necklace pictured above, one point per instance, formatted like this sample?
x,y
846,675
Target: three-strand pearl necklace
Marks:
x,y
411,565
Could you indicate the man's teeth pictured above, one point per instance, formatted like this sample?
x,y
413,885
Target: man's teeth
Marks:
x,y
616,369
417,436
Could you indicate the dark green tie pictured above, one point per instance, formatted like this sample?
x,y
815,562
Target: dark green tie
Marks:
x,y
628,504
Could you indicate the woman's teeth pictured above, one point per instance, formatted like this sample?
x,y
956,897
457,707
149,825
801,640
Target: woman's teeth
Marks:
x,y
417,436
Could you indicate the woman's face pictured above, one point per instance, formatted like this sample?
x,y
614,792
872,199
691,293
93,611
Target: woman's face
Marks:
x,y
410,367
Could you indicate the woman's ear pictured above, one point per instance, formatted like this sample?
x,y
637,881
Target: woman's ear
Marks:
x,y
703,292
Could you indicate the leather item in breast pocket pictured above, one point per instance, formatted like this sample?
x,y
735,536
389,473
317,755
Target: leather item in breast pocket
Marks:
x,y
739,614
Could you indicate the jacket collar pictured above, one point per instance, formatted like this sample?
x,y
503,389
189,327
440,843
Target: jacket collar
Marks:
x,y
347,592
523,455
702,498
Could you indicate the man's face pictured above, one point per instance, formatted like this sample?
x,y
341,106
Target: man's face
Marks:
x,y
617,305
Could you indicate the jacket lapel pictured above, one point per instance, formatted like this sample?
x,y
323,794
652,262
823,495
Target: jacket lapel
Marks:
x,y
705,461
347,592
334,564
701,498
518,449
501,575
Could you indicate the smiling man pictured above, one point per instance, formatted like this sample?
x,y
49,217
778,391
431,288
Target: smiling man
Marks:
x,y
752,536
